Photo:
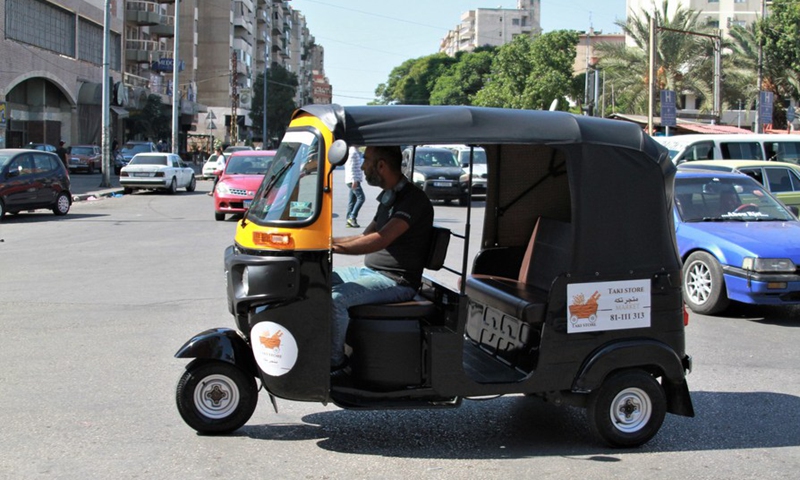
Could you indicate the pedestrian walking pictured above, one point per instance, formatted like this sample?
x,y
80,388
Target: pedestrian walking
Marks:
x,y
354,175
61,151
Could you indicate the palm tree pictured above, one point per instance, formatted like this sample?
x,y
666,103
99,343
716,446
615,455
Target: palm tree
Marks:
x,y
682,59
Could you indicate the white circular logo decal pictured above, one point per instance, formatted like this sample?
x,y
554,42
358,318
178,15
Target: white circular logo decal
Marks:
x,y
274,347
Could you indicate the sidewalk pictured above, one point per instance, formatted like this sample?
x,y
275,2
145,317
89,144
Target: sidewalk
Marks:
x,y
85,187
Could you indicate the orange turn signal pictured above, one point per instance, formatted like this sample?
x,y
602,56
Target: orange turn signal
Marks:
x,y
281,241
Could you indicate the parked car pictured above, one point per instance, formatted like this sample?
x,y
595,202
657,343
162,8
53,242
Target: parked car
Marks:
x,y
85,158
726,146
239,181
45,147
213,166
161,171
435,170
33,179
132,148
782,179
737,242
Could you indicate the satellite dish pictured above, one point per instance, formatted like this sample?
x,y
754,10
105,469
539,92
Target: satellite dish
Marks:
x,y
554,105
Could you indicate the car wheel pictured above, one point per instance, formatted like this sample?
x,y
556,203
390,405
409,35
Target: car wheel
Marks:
x,y
703,284
219,216
628,409
173,186
127,191
192,184
2,209
463,200
91,169
62,204
215,397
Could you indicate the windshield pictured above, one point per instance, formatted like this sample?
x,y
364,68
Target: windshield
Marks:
x,y
149,160
248,165
81,150
478,157
435,158
288,193
726,199
135,148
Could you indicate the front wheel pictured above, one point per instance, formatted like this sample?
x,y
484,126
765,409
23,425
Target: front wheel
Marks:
x,y
192,184
216,397
703,284
628,409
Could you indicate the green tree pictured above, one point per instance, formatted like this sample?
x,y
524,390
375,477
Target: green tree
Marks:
x,y
151,121
281,89
411,83
683,60
531,73
464,79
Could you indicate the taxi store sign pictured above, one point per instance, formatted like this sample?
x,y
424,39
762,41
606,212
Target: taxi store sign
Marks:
x,y
600,306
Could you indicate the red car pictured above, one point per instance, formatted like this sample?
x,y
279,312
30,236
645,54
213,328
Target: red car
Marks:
x,y
238,183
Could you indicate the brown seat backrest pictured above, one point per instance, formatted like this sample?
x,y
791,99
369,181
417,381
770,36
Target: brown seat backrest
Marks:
x,y
548,254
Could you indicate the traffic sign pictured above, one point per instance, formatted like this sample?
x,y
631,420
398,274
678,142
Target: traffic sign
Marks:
x,y
765,100
668,109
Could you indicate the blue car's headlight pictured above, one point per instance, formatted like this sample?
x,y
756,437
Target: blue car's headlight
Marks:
x,y
769,265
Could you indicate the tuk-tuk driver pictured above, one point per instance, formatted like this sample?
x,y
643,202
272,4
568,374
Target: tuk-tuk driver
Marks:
x,y
395,243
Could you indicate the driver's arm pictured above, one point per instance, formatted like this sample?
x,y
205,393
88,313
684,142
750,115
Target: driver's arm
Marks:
x,y
372,239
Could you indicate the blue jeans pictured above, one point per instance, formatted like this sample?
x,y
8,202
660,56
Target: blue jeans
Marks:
x,y
359,286
355,201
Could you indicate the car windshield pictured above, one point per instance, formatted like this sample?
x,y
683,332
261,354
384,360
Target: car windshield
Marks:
x,y
435,158
149,160
248,165
478,157
81,150
287,193
135,148
712,199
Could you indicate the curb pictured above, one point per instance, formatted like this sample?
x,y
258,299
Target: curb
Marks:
x,y
116,192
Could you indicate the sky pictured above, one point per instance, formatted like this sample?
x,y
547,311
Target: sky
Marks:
x,y
365,39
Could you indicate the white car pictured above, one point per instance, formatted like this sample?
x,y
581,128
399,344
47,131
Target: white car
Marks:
x,y
213,166
162,171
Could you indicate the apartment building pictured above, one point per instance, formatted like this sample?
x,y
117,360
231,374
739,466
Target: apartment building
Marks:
x,y
720,14
492,27
52,65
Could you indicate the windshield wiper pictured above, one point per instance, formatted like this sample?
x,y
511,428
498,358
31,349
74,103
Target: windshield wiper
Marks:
x,y
271,184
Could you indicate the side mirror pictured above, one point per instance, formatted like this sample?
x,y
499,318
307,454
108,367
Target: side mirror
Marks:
x,y
337,153
13,172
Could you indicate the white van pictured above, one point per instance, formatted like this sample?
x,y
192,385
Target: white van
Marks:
x,y
755,146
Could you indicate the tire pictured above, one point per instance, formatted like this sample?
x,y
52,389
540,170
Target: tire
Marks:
x,y
463,200
628,409
63,202
2,209
91,169
703,284
219,216
215,397
127,191
192,184
173,186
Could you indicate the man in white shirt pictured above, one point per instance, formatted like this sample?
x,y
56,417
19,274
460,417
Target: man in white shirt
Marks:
x,y
353,177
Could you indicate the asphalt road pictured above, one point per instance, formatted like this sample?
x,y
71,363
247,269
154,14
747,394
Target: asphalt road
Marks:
x,y
95,304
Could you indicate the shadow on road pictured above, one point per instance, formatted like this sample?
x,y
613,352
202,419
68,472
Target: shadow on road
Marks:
x,y
520,427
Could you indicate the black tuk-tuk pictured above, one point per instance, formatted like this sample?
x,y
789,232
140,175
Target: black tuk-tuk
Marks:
x,y
574,294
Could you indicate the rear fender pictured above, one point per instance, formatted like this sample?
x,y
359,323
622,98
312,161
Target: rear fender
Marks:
x,y
223,344
650,355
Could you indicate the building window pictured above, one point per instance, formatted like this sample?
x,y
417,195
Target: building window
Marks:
x,y
515,21
713,1
712,23
41,24
90,46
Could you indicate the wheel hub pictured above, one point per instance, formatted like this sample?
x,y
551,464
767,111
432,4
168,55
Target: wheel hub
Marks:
x,y
631,410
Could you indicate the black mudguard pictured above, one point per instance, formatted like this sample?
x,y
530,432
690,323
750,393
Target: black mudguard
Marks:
x,y
223,344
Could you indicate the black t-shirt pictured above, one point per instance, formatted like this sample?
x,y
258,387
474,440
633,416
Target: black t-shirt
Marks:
x,y
405,258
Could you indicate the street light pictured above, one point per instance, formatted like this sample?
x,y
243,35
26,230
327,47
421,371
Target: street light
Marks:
x,y
106,180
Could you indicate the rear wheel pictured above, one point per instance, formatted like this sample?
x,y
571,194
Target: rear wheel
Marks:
x,y
703,284
173,186
628,409
215,397
192,184
62,204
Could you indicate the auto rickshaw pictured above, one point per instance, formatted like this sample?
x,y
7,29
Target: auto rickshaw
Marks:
x,y
573,296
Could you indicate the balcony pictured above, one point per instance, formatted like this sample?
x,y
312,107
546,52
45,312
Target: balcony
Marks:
x,y
143,14
144,51
262,16
166,29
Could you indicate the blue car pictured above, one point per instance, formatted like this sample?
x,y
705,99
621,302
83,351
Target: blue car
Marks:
x,y
737,242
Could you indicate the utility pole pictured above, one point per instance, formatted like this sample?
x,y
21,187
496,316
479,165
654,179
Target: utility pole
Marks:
x,y
760,80
105,143
651,82
176,94
234,102
265,134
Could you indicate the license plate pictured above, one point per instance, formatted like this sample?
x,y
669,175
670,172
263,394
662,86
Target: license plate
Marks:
x,y
247,203
442,184
141,174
